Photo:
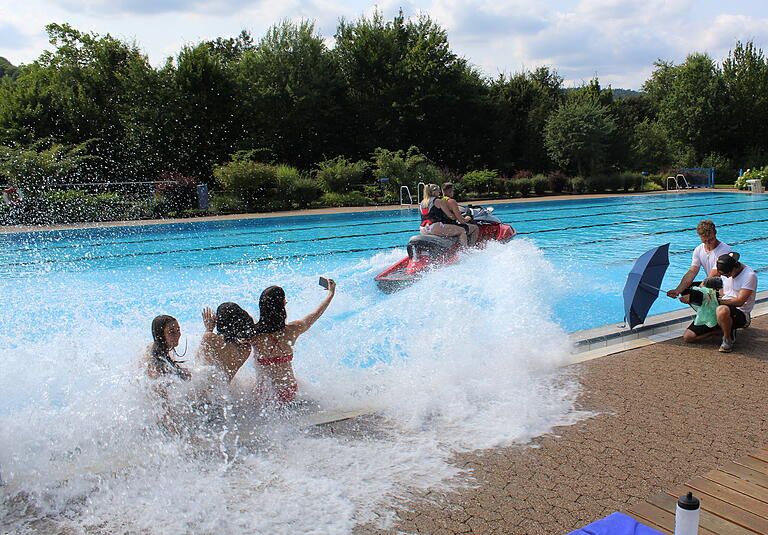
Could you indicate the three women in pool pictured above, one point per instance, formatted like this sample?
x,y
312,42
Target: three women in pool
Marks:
x,y
225,351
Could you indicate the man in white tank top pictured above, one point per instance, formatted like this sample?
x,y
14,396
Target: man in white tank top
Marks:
x,y
704,256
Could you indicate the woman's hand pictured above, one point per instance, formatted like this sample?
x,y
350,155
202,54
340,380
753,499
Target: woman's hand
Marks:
x,y
332,286
209,319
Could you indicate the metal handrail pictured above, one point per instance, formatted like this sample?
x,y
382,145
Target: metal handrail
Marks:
x,y
408,192
685,181
674,181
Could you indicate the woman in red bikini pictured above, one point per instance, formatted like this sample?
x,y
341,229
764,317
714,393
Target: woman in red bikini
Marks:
x,y
274,339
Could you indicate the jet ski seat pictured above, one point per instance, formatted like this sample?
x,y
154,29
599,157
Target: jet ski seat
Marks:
x,y
431,245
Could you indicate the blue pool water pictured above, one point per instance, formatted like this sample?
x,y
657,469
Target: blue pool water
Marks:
x,y
591,243
470,357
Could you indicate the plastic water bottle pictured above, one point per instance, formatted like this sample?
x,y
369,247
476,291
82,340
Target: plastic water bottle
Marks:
x,y
687,515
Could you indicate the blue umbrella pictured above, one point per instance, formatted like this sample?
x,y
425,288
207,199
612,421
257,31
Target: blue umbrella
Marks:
x,y
643,284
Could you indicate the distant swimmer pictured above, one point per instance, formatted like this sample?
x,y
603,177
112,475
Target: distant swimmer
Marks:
x,y
274,339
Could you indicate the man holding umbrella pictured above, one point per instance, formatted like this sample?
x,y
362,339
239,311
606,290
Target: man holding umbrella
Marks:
x,y
704,256
739,287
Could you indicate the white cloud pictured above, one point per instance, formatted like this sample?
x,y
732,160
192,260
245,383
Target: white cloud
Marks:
x,y
617,40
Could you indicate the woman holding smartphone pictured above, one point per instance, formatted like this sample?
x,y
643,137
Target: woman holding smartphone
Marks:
x,y
273,338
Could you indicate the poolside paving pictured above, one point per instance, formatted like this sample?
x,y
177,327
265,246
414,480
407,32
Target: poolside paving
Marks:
x,y
666,413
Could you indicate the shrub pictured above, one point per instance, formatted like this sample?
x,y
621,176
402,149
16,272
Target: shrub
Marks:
x,y
339,174
523,174
540,184
354,198
179,192
404,168
44,165
253,182
293,188
479,181
226,203
73,206
578,184
595,184
558,182
524,186
751,174
649,185
512,187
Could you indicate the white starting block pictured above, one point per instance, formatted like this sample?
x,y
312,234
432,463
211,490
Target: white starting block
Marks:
x,y
755,185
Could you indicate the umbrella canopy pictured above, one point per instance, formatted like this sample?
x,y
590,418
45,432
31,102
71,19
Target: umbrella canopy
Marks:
x,y
643,284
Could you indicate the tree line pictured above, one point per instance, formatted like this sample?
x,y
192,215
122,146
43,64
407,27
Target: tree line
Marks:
x,y
385,84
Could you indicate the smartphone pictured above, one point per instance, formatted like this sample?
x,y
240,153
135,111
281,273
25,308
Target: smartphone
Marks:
x,y
323,282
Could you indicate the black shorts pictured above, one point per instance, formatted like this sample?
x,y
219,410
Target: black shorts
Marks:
x,y
738,317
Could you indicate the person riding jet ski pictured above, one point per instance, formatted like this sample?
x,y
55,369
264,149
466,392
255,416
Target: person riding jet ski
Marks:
x,y
439,218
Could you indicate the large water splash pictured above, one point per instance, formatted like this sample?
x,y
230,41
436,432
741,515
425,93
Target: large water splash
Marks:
x,y
467,358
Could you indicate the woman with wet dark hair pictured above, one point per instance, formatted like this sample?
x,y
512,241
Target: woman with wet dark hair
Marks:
x,y
273,339
228,348
166,333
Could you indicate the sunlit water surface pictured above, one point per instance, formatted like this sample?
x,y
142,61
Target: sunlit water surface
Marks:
x,y
468,358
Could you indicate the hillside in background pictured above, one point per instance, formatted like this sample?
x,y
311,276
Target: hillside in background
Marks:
x,y
6,68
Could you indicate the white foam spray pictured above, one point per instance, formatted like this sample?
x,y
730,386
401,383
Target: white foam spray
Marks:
x,y
467,358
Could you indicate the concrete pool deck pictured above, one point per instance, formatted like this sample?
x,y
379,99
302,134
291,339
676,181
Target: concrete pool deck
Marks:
x,y
664,413
8,229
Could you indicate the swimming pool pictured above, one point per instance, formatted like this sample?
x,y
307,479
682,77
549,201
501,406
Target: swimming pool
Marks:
x,y
591,243
469,357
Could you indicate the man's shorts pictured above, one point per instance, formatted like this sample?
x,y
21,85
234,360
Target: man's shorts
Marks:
x,y
738,317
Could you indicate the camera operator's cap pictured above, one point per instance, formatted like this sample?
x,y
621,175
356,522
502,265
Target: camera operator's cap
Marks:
x,y
726,263
716,283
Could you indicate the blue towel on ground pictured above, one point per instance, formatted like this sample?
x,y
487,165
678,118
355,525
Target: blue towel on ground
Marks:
x,y
616,524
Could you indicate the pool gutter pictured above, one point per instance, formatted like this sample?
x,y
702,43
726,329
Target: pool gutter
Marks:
x,y
616,338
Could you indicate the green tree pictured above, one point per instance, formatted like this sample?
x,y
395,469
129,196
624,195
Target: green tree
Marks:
x,y
690,103
745,77
406,86
404,168
521,106
43,165
76,93
579,133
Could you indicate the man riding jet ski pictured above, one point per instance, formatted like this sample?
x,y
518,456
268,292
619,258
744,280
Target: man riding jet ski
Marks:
x,y
430,249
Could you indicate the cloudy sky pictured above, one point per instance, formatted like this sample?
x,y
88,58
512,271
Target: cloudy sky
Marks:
x,y
616,40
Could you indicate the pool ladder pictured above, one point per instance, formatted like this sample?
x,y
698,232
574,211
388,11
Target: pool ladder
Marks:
x,y
676,180
404,190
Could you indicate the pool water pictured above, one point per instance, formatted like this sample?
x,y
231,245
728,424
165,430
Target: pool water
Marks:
x,y
469,357
592,243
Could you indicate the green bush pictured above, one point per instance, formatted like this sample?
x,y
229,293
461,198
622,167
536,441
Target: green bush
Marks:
x,y
762,174
558,182
43,165
339,174
73,206
354,198
512,187
524,186
404,168
540,184
226,203
578,184
649,185
479,181
253,182
294,189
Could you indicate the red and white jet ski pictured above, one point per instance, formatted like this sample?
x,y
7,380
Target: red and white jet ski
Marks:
x,y
428,252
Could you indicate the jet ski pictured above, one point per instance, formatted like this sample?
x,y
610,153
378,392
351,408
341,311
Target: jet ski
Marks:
x,y
427,252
